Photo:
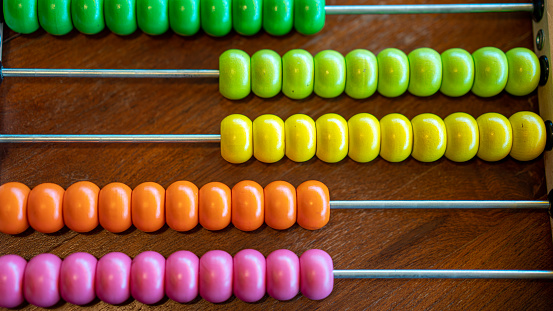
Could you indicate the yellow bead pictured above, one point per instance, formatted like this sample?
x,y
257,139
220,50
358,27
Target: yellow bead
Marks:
x,y
301,138
268,138
495,137
236,138
396,137
332,138
463,138
364,137
528,135
429,137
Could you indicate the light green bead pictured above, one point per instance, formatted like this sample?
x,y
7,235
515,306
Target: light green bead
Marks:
x,y
246,16
309,16
491,71
153,16
120,16
266,73
457,72
278,16
21,15
184,16
55,16
361,74
297,74
88,15
393,72
425,68
330,74
524,72
234,74
216,17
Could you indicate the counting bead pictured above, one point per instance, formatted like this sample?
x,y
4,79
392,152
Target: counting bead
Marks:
x,y
216,276
332,138
120,16
425,69
362,74
283,274
114,207
491,72
266,73
248,210
268,138
528,135
216,17
184,16
524,72
330,74
280,205
181,276
463,137
301,135
429,137
88,15
55,16
495,137
234,74
152,16
364,137
13,208
148,207
249,275
113,274
393,72
214,206
316,274
181,206
21,15
309,16
40,283
246,16
396,137
278,16
44,208
80,206
12,269
297,74
457,72
77,274
148,277
313,205
236,138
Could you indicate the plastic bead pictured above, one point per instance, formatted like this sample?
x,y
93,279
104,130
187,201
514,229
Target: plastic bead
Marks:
x,y
297,74
216,276
283,274
528,135
301,135
330,74
215,206
429,137
114,207
332,138
364,137
77,275
425,68
181,276
316,274
266,66
55,16
463,137
88,15
309,16
491,72
184,16
152,16
313,205
181,206
21,15
120,16
80,206
393,72
148,207
280,205
113,274
12,269
148,277
248,205
13,208
278,16
524,72
249,275
457,72
236,138
268,138
216,17
234,74
495,137
246,16
44,208
40,283
362,74
396,137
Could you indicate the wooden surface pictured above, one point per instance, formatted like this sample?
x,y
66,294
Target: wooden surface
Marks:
x,y
401,239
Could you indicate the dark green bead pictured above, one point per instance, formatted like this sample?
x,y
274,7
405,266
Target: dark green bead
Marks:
x,y
55,16
278,16
246,16
88,15
21,15
120,16
184,16
153,16
216,17
309,16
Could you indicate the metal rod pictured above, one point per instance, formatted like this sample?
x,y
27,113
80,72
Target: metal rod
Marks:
x,y
443,274
429,8
108,138
471,204
1,46
111,73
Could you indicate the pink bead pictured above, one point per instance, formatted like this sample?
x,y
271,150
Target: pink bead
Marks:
x,y
148,277
317,278
12,268
41,282
249,275
77,276
181,276
283,274
113,273
216,276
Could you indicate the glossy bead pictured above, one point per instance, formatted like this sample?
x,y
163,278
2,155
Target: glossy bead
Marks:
x,y
364,137
120,16
429,137
148,277
234,74
113,274
425,69
330,74
313,205
249,275
44,208
316,274
280,205
297,74
216,276
215,206
495,137
12,269
463,137
457,72
283,274
309,16
216,17
524,71
393,72
184,16
301,135
268,138
148,207
152,16
80,206
361,74
77,276
528,135
246,16
181,276
13,208
332,138
181,206
88,15
236,138
114,207
491,71
55,16
278,16
248,205
40,283
21,15
396,137
266,66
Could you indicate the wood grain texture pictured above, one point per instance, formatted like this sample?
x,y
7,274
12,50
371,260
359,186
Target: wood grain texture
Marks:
x,y
379,239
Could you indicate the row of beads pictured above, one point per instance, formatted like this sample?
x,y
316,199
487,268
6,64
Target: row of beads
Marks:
x,y
426,137
360,74
154,17
80,277
47,208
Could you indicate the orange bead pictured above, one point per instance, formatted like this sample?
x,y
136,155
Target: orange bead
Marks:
x,y
148,207
248,210
80,206
313,205
114,207
280,205
181,203
13,208
215,201
44,208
